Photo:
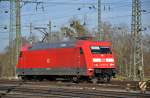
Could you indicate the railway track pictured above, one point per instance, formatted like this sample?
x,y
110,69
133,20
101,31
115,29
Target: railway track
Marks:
x,y
68,93
112,84
19,89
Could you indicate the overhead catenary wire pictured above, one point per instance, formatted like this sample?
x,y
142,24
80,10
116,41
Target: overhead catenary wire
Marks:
x,y
114,17
79,3
81,13
46,12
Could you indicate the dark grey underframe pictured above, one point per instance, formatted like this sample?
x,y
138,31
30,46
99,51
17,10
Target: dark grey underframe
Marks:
x,y
48,71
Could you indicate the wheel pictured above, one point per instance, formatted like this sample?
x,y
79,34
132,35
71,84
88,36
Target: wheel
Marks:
x,y
106,78
24,78
75,79
94,80
40,78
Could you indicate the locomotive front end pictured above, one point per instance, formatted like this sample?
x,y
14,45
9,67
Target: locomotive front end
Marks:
x,y
103,62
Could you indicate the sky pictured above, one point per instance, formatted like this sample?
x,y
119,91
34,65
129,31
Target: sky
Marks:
x,y
59,12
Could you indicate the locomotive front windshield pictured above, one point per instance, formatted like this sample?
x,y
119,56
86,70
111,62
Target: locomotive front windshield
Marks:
x,y
100,50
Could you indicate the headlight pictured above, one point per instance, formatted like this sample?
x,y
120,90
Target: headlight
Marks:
x,y
97,60
109,60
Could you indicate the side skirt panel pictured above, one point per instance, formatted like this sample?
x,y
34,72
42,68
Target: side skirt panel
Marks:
x,y
48,71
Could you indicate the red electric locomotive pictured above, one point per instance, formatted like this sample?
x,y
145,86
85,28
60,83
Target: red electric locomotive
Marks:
x,y
77,60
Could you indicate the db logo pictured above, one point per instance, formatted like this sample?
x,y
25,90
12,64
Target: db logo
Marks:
x,y
103,60
48,60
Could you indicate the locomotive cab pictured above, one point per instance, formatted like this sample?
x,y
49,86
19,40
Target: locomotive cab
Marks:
x,y
103,62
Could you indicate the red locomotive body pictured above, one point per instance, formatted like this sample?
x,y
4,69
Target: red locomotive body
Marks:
x,y
77,59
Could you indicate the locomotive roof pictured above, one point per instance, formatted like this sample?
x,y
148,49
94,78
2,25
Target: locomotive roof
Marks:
x,y
65,44
52,45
